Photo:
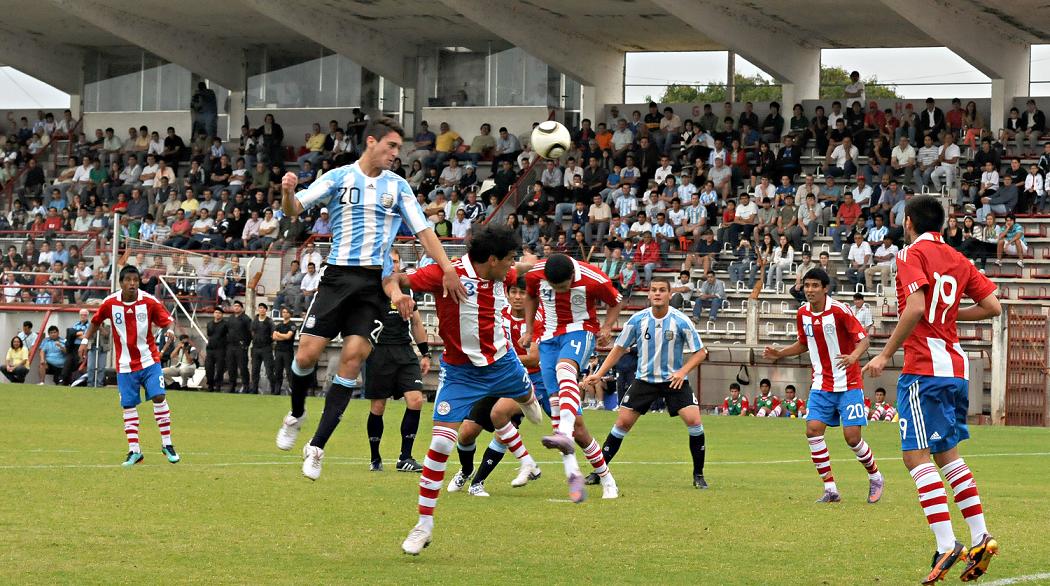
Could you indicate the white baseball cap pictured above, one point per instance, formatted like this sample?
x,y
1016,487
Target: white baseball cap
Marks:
x,y
324,210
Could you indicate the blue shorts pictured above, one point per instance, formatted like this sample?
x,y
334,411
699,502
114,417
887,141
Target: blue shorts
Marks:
x,y
541,391
832,409
932,412
459,387
577,346
150,378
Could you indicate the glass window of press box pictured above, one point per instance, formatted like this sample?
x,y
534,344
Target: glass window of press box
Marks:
x,y
133,80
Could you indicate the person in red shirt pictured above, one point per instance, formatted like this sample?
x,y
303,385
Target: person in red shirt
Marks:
x,y
53,221
647,256
932,391
849,211
180,231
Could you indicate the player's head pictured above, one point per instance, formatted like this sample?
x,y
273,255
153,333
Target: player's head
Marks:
x,y
516,295
764,385
383,138
734,390
880,395
815,285
922,214
660,293
262,309
559,272
492,249
789,391
129,279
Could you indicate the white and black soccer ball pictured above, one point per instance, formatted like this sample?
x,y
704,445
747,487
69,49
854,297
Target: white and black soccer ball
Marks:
x,y
550,139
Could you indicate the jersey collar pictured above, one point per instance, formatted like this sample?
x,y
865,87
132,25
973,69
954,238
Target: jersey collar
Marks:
x,y
931,236
576,270
468,267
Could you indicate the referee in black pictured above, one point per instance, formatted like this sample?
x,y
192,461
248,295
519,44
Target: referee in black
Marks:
x,y
239,335
393,371
283,351
262,348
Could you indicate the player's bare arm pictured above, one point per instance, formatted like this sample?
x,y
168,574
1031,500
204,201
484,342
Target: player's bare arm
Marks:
x,y
915,307
532,359
419,335
393,286
681,375
613,357
88,336
605,336
852,358
289,205
774,353
531,304
450,281
986,308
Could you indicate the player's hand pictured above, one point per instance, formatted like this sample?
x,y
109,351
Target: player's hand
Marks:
x,y
289,181
591,380
846,360
83,351
526,339
424,364
874,367
604,337
678,378
405,305
771,353
451,286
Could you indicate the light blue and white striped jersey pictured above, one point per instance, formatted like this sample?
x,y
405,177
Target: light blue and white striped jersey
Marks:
x,y
365,214
661,343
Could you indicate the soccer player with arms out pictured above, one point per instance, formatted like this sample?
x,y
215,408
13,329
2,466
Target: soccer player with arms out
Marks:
x,y
133,313
933,392
835,340
735,404
478,361
663,335
367,203
568,291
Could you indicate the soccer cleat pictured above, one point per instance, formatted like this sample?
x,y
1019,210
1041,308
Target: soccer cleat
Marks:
x,y
458,482
875,490
375,466
699,482
560,442
592,479
979,557
526,474
830,497
408,465
169,453
418,539
942,562
132,459
609,488
312,456
533,412
289,431
477,490
576,492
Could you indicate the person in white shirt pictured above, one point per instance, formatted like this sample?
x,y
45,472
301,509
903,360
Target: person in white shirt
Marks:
x,y
630,174
948,159
783,256
863,312
682,290
855,88
622,139
311,280
877,233
238,177
843,159
885,265
902,159
862,192
571,169
1034,187
626,204
686,188
925,163
677,216
461,225
989,181
664,170
835,115
765,190
718,152
859,259
640,226
310,256
744,221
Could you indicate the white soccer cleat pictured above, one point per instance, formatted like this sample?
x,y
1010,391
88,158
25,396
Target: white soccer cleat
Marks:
x,y
609,488
477,490
312,456
418,539
532,411
526,473
458,482
289,431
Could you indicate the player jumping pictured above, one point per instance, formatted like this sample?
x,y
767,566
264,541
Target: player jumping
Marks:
x,y
568,290
662,334
367,203
933,392
477,361
132,314
835,340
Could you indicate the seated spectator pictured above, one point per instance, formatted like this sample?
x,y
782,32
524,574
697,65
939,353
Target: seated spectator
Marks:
x,y
266,231
461,225
803,268
745,215
744,265
858,258
305,176
507,147
442,227
185,355
321,226
234,279
735,404
663,233
627,280
15,364
598,217
881,410
863,313
948,163
1011,241
847,216
52,357
648,257
682,290
885,259
842,161
710,295
310,282
1002,202
315,142
422,145
793,407
783,257
766,404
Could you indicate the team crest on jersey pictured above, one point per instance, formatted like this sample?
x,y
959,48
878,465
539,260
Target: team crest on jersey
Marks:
x,y
310,321
579,300
829,328
669,335
387,200
444,408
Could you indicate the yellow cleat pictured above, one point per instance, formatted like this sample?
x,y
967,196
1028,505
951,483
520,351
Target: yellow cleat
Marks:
x,y
980,557
942,562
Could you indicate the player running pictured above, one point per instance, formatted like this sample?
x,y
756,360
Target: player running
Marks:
x,y
933,392
477,361
132,313
663,334
393,371
367,203
835,340
568,291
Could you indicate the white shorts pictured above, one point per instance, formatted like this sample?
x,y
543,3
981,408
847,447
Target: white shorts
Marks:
x,y
1010,248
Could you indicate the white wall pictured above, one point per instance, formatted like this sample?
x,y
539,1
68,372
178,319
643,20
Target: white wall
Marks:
x,y
467,121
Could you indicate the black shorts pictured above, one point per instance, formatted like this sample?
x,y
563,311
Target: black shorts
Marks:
x,y
392,369
349,301
481,413
641,396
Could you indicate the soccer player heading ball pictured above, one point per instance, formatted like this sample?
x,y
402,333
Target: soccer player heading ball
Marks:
x,y
933,390
132,314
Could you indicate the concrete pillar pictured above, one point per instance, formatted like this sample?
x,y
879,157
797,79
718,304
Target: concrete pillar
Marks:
x,y
751,337
76,103
595,97
1000,339
237,110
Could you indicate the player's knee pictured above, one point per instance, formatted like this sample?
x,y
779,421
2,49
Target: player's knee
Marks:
x,y
378,407
414,401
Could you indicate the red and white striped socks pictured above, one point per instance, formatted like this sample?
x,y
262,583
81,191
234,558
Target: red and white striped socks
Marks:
x,y
964,487
162,414
555,412
596,458
442,442
568,397
508,436
131,428
934,502
866,459
818,451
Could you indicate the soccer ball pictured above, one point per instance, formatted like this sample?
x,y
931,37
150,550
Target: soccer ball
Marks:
x,y
550,139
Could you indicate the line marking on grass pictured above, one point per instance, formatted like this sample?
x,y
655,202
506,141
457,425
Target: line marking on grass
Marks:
x,y
1018,579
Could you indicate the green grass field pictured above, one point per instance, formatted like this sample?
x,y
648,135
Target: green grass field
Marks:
x,y
236,510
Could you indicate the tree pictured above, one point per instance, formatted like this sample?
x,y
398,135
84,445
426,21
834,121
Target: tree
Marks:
x,y
755,88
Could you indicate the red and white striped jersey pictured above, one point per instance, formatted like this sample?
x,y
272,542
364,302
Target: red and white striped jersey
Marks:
x,y
929,263
574,310
515,327
473,331
828,335
131,324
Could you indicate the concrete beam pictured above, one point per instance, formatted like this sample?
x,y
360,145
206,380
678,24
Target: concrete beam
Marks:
x,y
57,65
343,34
212,58
772,45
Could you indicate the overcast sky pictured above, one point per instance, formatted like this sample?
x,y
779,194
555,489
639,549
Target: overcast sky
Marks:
x,y
648,73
